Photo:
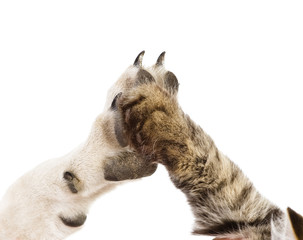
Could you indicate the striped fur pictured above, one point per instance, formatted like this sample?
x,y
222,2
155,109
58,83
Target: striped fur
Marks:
x,y
224,201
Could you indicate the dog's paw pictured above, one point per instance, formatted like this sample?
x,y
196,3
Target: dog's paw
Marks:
x,y
126,166
141,111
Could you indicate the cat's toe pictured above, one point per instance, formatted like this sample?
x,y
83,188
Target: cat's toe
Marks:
x,y
144,77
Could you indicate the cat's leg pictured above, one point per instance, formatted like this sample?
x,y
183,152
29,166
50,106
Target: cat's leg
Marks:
x,y
224,201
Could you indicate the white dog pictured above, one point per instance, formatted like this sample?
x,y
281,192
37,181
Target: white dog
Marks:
x,y
51,201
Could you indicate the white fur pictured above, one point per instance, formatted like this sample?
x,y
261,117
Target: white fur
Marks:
x,y
31,207
282,230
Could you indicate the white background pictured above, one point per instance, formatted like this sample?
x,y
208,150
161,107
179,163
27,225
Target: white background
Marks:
x,y
239,64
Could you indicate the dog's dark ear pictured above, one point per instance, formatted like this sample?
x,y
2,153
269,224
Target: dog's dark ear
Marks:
x,y
296,221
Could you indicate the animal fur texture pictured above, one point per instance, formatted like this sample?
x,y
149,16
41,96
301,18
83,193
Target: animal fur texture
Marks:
x,y
142,125
224,201
51,201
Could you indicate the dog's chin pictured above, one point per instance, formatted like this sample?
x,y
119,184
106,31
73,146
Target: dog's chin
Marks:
x,y
74,222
